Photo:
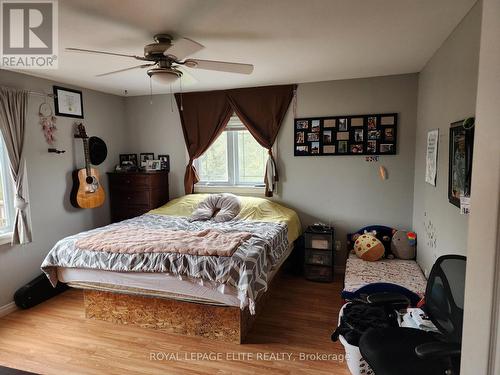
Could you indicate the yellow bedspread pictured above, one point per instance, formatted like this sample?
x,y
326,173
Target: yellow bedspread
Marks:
x,y
258,209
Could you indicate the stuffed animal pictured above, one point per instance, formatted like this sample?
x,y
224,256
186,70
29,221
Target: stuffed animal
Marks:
x,y
403,244
368,247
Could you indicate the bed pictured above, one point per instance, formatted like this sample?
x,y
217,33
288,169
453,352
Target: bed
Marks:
x,y
395,275
385,275
211,296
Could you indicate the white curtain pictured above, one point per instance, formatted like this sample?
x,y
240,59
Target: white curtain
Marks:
x,y
13,107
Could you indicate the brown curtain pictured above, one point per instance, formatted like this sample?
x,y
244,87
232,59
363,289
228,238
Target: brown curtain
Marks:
x,y
262,110
204,115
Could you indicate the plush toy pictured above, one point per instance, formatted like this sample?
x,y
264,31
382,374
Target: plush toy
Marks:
x,y
403,244
368,247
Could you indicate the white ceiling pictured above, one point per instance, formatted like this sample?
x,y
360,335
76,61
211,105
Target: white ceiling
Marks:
x,y
288,41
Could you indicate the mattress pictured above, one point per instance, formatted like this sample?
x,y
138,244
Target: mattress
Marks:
x,y
245,274
160,284
405,273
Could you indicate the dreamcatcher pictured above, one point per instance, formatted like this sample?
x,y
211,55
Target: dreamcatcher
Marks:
x,y
47,121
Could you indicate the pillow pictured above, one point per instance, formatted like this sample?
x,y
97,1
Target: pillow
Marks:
x,y
368,247
403,244
229,207
220,207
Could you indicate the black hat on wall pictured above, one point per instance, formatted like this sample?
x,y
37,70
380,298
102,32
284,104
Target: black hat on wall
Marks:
x,y
97,150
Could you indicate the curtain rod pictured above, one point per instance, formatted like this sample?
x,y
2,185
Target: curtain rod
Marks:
x,y
40,94
31,92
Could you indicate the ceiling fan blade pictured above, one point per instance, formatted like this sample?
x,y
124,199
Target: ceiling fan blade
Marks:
x,y
124,70
220,66
70,49
183,48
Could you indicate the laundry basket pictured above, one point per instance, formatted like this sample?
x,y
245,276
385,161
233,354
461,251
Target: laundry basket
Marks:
x,y
357,365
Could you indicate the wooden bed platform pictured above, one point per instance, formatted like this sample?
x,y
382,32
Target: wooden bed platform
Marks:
x,y
225,323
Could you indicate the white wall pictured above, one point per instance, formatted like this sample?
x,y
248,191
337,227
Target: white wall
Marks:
x,y
343,190
447,93
49,178
482,291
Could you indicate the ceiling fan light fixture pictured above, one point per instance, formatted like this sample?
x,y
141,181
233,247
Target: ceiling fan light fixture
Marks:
x,y
164,76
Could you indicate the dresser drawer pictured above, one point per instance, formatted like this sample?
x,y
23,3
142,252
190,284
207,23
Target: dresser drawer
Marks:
x,y
319,257
127,181
135,193
122,212
130,197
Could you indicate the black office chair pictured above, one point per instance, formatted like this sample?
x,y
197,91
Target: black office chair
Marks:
x,y
409,351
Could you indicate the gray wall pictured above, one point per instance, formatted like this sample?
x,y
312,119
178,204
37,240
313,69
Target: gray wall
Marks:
x,y
343,190
447,93
49,178
154,126
346,191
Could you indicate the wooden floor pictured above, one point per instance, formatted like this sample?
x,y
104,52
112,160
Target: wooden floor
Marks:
x,y
55,338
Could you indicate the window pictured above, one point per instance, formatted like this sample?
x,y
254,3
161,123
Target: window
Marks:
x,y
6,196
234,159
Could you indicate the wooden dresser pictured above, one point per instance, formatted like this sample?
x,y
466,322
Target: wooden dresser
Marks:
x,y
135,193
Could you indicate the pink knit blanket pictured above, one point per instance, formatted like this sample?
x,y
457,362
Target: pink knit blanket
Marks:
x,y
132,240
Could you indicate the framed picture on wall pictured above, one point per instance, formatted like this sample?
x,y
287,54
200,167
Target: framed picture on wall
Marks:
x,y
346,135
68,102
460,161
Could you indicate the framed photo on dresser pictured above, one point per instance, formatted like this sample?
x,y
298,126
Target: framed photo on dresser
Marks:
x,y
144,157
130,159
370,134
165,162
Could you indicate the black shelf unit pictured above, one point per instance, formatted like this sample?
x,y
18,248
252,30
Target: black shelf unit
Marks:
x,y
319,254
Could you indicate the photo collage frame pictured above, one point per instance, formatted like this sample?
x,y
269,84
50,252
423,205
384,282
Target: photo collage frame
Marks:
x,y
374,134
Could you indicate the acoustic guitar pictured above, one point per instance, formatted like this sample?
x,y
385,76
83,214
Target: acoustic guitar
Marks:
x,y
87,190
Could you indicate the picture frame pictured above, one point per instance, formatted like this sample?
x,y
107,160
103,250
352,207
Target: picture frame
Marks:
x,y
144,157
461,144
128,158
364,134
165,162
153,165
68,102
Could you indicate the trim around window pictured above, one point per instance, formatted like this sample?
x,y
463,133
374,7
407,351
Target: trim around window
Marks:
x,y
255,189
5,238
239,190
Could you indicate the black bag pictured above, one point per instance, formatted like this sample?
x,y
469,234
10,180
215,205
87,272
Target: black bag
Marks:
x,y
37,291
358,317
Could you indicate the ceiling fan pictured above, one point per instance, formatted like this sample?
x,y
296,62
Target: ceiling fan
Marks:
x,y
166,58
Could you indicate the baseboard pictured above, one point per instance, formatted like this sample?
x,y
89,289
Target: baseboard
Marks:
x,y
7,309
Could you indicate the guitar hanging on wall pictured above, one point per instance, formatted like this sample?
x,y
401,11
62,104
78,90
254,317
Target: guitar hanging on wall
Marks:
x,y
87,190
